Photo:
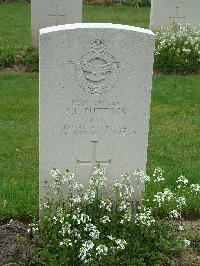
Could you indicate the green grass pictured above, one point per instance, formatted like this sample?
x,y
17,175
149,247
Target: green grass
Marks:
x,y
19,144
120,15
173,137
174,134
15,20
15,24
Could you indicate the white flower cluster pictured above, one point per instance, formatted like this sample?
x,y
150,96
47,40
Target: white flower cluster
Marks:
x,y
76,186
178,49
57,179
44,205
66,242
86,251
97,182
106,204
144,217
195,188
123,187
181,201
92,229
158,175
67,178
124,205
105,219
174,214
81,217
182,181
141,176
170,35
33,228
102,250
118,243
163,197
84,219
186,242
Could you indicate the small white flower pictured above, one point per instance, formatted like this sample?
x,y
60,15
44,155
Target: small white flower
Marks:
x,y
124,205
142,176
181,228
102,250
161,197
117,185
195,188
158,175
84,218
111,237
55,173
174,214
107,204
68,176
94,234
85,251
187,242
144,217
105,219
92,229
182,181
76,199
77,186
181,201
128,216
121,243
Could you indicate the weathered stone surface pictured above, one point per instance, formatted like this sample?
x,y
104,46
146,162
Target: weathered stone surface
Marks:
x,y
165,12
48,13
95,92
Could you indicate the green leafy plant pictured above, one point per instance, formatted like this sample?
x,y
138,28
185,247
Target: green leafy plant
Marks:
x,y
178,50
28,57
100,225
7,56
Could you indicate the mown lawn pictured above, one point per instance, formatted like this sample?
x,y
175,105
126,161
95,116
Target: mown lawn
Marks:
x,y
174,137
15,20
18,144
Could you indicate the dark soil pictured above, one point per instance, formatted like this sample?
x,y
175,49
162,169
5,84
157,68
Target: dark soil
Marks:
x,y
14,242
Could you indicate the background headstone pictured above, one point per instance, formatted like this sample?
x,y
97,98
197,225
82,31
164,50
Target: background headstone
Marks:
x,y
46,13
95,93
165,12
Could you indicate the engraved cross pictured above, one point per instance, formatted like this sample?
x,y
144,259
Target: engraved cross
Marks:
x,y
94,160
177,15
57,15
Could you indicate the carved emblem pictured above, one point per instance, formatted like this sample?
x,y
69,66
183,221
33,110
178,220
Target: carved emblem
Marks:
x,y
97,70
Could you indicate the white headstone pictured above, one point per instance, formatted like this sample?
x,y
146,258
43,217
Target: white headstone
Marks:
x,y
46,13
95,93
165,12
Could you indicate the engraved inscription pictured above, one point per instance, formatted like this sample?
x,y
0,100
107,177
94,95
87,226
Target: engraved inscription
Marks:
x,y
94,160
97,70
175,19
101,117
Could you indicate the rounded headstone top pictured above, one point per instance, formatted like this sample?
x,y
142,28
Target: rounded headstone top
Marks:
x,y
94,26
